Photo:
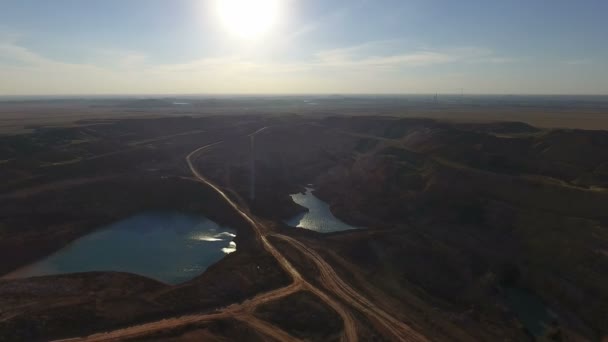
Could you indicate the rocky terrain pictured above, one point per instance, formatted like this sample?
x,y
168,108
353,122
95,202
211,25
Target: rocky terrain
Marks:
x,y
457,212
454,214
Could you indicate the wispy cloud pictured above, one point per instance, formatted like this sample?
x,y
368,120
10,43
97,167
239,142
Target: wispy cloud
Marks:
x,y
331,17
363,56
120,58
12,54
366,65
343,59
584,61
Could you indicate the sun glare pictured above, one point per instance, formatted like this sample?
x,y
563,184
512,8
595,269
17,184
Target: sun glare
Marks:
x,y
248,18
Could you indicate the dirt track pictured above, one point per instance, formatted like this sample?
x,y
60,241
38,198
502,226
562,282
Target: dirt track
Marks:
x,y
386,324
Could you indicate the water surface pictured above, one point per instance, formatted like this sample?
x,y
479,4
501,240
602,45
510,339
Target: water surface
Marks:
x,y
319,217
530,310
170,247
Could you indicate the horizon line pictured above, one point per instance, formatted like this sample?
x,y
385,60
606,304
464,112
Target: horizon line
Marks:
x,y
157,95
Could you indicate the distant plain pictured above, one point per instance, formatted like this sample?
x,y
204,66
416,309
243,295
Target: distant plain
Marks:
x,y
22,114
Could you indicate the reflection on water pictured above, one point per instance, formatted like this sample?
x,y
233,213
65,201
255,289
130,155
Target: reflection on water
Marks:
x,y
169,247
529,308
319,217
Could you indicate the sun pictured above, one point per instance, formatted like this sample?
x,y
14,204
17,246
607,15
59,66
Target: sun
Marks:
x,y
248,18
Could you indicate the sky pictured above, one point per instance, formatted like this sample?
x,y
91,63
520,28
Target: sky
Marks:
x,y
75,47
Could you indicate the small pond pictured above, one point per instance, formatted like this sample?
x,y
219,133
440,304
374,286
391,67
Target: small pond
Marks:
x,y
319,217
529,308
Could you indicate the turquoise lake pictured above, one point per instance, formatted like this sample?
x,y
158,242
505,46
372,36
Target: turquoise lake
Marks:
x,y
169,247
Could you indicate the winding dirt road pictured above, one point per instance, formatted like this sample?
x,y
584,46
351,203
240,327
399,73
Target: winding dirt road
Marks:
x,y
386,324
